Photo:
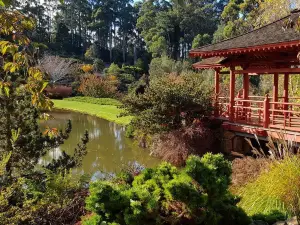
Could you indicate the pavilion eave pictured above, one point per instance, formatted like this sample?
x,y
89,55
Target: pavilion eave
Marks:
x,y
286,46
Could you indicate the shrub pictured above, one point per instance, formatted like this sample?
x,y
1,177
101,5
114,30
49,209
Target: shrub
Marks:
x,y
170,102
87,68
97,101
166,195
271,218
98,65
175,146
246,170
278,188
55,199
113,69
98,87
59,92
164,66
129,131
60,70
141,64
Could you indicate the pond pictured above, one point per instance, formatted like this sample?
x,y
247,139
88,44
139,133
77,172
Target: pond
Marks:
x,y
108,149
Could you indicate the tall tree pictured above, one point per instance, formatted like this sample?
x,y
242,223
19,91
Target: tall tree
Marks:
x,y
169,27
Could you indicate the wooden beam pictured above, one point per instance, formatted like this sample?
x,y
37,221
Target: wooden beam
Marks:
x,y
269,71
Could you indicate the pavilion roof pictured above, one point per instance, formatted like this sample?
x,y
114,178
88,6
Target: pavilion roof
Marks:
x,y
267,38
211,63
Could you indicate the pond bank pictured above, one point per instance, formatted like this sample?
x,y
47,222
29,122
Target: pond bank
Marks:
x,y
107,112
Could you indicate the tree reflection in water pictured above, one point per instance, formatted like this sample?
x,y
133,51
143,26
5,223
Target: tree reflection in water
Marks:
x,y
108,150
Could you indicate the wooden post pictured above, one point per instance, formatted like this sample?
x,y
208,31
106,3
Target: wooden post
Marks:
x,y
286,88
286,95
266,112
275,95
217,91
232,94
275,89
245,94
246,86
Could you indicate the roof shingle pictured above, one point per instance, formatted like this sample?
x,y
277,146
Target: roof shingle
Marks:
x,y
269,34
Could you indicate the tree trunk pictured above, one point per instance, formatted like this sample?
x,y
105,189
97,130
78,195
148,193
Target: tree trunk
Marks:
x,y
110,43
124,48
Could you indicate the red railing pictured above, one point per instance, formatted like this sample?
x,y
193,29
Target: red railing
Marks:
x,y
261,111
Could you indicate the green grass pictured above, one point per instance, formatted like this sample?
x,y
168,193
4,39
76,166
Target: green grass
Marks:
x,y
276,189
108,112
98,101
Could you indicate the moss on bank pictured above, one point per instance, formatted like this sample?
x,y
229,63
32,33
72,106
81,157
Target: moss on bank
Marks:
x,y
108,112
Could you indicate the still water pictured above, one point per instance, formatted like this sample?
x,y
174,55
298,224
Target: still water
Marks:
x,y
108,149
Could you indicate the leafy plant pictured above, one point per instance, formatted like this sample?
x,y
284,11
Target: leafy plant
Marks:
x,y
98,87
29,196
197,194
87,68
48,198
98,65
170,102
113,69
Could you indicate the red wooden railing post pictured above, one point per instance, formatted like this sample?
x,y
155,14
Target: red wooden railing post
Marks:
x,y
245,94
232,94
217,92
275,96
286,96
266,112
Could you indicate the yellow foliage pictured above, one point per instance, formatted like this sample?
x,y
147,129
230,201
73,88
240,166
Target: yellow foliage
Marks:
x,y
15,60
87,68
112,78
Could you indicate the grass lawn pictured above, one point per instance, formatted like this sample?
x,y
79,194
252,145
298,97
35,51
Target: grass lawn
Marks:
x,y
108,112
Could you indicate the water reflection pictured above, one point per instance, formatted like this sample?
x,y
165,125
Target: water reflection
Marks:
x,y
108,148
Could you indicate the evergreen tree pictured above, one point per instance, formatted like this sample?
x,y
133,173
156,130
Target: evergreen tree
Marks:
x,y
21,98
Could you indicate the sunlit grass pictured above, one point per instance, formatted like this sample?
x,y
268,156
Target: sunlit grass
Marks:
x,y
108,112
278,188
98,101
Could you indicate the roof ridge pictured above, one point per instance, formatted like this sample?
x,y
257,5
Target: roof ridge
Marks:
x,y
294,11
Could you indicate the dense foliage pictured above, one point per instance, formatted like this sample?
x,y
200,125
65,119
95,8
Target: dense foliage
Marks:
x,y
29,191
98,87
197,194
170,102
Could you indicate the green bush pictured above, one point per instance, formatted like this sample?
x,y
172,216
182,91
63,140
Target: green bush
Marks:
x,y
277,189
97,101
98,65
42,201
164,66
113,69
167,195
170,102
270,218
129,131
